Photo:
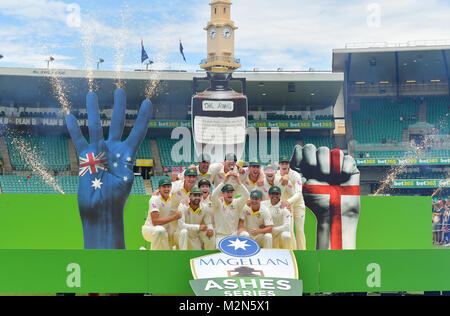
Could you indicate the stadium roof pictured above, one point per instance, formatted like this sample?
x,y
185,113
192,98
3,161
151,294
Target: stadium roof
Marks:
x,y
266,89
422,64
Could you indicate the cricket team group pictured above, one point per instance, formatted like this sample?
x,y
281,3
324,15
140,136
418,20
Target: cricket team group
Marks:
x,y
210,201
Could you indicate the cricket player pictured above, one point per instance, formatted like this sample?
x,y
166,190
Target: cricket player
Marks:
x,y
256,222
206,203
271,178
282,234
181,188
293,180
221,170
253,178
204,169
227,209
195,228
160,226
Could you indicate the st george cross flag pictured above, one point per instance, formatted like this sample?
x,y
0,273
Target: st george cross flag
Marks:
x,y
144,55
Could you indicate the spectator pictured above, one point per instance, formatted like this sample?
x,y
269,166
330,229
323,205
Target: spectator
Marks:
x,y
438,214
446,225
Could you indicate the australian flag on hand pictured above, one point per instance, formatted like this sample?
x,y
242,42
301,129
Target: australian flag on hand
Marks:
x,y
144,55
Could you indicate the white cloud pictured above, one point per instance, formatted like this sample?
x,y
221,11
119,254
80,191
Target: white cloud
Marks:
x,y
29,33
309,30
291,34
27,10
15,54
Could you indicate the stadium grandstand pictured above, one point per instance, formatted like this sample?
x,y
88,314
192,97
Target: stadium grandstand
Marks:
x,y
397,115
388,107
300,104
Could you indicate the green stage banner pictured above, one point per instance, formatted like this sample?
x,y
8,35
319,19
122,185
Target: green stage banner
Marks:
x,y
168,272
256,124
394,252
409,161
421,184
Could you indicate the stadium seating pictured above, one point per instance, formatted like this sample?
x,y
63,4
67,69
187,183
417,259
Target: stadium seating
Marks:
x,y
145,151
52,151
68,184
286,147
165,145
324,117
385,154
318,141
39,114
155,181
380,121
438,113
438,153
138,186
283,117
419,175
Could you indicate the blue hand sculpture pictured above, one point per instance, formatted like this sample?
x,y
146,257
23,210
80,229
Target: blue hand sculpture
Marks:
x,y
106,171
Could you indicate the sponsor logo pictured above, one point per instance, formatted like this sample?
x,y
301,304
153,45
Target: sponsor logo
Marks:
x,y
242,268
239,246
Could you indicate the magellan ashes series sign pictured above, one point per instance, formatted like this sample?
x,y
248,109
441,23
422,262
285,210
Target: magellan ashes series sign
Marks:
x,y
242,268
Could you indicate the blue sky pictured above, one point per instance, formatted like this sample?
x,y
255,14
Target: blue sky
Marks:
x,y
288,34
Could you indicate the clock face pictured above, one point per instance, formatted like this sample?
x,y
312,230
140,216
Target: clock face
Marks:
x,y
227,32
212,32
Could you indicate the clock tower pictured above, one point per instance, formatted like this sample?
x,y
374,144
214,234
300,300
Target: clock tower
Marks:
x,y
219,114
220,36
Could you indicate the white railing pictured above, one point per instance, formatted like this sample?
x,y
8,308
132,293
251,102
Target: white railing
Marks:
x,y
220,58
414,43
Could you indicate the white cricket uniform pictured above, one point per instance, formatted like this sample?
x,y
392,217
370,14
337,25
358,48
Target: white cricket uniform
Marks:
x,y
226,216
249,184
178,193
219,177
206,204
161,237
297,206
286,190
189,235
267,186
282,233
253,220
